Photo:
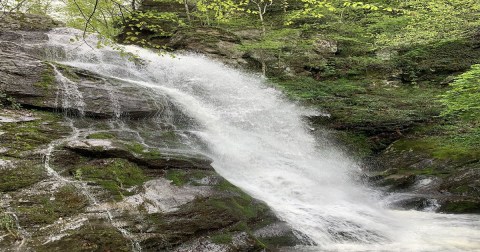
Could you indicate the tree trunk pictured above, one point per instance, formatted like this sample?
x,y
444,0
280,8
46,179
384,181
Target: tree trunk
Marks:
x,y
260,15
187,10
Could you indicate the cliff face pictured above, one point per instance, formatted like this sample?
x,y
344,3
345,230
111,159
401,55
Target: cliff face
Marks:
x,y
383,103
89,163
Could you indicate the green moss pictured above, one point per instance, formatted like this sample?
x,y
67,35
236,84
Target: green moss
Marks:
x,y
8,226
228,187
178,177
47,208
222,238
183,177
47,79
93,236
461,207
26,136
356,143
101,135
68,72
25,175
115,175
441,147
136,148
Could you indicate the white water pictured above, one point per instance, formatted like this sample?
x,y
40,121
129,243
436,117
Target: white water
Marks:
x,y
259,142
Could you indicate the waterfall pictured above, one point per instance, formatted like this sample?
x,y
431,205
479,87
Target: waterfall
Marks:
x,y
259,142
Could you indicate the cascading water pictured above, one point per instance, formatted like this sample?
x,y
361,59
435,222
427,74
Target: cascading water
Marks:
x,y
259,143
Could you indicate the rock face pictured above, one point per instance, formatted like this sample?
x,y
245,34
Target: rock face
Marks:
x,y
39,84
82,171
452,182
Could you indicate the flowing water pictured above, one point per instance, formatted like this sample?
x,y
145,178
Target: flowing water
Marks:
x,y
259,142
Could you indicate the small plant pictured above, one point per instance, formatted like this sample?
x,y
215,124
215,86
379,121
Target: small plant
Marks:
x,y
78,174
7,101
463,100
7,224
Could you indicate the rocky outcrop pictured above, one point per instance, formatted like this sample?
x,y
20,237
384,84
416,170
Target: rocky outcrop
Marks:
x,y
40,84
449,180
90,164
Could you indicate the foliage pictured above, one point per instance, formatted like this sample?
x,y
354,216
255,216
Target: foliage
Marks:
x,y
8,101
7,224
100,16
463,100
431,21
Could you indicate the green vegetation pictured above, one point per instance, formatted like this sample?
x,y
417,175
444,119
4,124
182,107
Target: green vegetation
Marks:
x,y
25,175
47,208
8,101
178,177
47,79
101,135
115,175
7,224
93,236
26,136
461,207
222,238
463,100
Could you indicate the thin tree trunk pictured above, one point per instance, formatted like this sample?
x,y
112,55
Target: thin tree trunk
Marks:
x,y
260,15
187,10
264,67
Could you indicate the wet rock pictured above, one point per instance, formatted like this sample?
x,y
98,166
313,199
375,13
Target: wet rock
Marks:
x,y
34,82
399,181
460,205
92,236
465,182
149,157
160,195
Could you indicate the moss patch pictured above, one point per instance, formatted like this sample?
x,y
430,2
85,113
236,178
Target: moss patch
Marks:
x,y
47,79
26,136
222,238
101,135
114,175
47,208
461,206
27,174
94,236
178,177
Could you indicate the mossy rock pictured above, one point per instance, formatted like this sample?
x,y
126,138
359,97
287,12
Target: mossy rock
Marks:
x,y
21,137
21,175
92,236
116,176
459,206
47,208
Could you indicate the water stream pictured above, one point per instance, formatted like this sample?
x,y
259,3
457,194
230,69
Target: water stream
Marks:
x,y
259,142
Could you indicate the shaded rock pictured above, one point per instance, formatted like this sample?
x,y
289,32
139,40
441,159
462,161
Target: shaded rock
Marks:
x,y
213,42
399,181
460,205
323,46
465,182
